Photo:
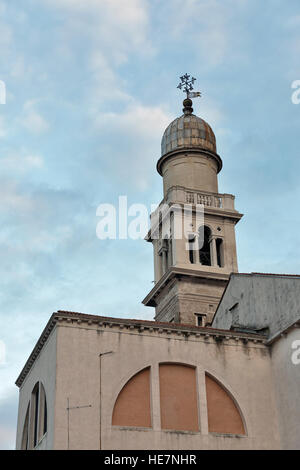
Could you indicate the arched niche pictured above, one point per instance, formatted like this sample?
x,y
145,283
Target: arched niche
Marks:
x,y
132,406
223,413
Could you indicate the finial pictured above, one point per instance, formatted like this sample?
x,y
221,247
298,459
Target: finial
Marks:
x,y
187,106
186,85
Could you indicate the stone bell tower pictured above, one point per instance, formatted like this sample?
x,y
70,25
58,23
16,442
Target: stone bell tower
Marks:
x,y
191,271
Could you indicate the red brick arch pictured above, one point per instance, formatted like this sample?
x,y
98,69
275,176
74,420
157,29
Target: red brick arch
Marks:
x,y
223,413
132,407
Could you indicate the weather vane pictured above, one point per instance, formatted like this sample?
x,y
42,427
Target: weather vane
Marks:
x,y
186,85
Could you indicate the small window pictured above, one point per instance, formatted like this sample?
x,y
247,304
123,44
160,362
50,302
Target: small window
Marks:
x,y
200,319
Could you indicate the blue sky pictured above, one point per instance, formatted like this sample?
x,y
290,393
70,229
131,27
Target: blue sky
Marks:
x,y
91,86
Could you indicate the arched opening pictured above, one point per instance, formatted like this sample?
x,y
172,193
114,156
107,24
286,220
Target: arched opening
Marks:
x,y
35,412
178,397
204,246
132,407
192,248
220,252
223,414
35,425
42,412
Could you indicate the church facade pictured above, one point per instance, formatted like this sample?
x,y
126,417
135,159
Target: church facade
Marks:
x,y
218,366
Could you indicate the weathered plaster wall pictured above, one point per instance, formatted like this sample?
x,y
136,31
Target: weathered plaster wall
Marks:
x,y
244,369
260,302
43,370
286,377
77,379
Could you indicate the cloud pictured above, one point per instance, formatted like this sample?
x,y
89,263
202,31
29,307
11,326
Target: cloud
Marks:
x,y
20,163
32,120
8,419
104,81
18,68
6,36
117,30
137,120
138,130
12,198
207,28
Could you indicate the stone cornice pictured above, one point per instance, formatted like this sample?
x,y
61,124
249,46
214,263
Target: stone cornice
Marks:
x,y
82,319
181,272
36,350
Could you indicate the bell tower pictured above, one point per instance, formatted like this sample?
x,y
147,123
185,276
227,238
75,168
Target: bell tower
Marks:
x,y
193,229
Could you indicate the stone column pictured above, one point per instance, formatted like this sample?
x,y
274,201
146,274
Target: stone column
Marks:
x,y
155,397
202,401
165,260
213,252
198,250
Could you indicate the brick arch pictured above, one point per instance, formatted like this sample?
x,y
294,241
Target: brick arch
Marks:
x,y
132,406
178,397
224,415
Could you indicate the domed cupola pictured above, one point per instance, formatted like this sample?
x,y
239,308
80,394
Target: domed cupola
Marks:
x,y
188,133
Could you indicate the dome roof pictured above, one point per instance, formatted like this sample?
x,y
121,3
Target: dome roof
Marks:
x,y
188,131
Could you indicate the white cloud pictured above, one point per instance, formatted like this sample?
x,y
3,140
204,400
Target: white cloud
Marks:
x,y
20,163
18,68
209,27
33,121
138,130
132,12
5,36
137,120
104,82
118,27
13,199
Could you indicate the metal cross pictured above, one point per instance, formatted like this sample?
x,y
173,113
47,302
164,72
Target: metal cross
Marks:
x,y
186,85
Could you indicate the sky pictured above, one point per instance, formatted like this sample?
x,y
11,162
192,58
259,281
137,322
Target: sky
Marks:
x,y
90,87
